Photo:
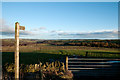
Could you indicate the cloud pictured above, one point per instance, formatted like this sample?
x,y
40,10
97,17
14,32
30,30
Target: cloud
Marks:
x,y
7,30
39,29
91,34
4,27
58,31
42,28
26,33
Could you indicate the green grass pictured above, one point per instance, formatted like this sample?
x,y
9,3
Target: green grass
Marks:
x,y
47,55
29,58
92,53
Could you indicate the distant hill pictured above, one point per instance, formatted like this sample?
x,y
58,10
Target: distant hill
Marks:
x,y
66,42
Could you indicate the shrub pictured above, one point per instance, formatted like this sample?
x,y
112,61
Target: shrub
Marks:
x,y
54,70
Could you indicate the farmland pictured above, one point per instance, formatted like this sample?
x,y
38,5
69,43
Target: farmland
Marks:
x,y
35,51
51,54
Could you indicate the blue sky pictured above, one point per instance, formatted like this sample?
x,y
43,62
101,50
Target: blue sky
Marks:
x,y
61,20
60,0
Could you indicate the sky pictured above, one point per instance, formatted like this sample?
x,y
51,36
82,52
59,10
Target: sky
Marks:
x,y
60,0
61,20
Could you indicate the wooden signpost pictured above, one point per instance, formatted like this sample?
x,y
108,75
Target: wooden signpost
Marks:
x,y
17,28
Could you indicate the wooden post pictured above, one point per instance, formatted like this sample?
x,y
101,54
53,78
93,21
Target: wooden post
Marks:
x,y
17,28
66,62
16,50
86,54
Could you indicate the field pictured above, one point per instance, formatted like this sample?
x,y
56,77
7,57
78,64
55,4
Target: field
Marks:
x,y
35,51
47,57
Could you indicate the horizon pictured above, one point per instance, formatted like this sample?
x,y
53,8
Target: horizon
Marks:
x,y
61,20
62,39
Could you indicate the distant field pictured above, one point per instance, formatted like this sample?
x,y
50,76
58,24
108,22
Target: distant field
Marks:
x,y
45,46
32,52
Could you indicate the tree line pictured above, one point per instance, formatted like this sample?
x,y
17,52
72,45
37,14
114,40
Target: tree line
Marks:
x,y
89,43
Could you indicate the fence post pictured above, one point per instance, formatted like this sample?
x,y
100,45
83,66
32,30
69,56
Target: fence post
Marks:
x,y
86,54
66,62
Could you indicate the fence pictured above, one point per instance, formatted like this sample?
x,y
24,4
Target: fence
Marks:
x,y
93,66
